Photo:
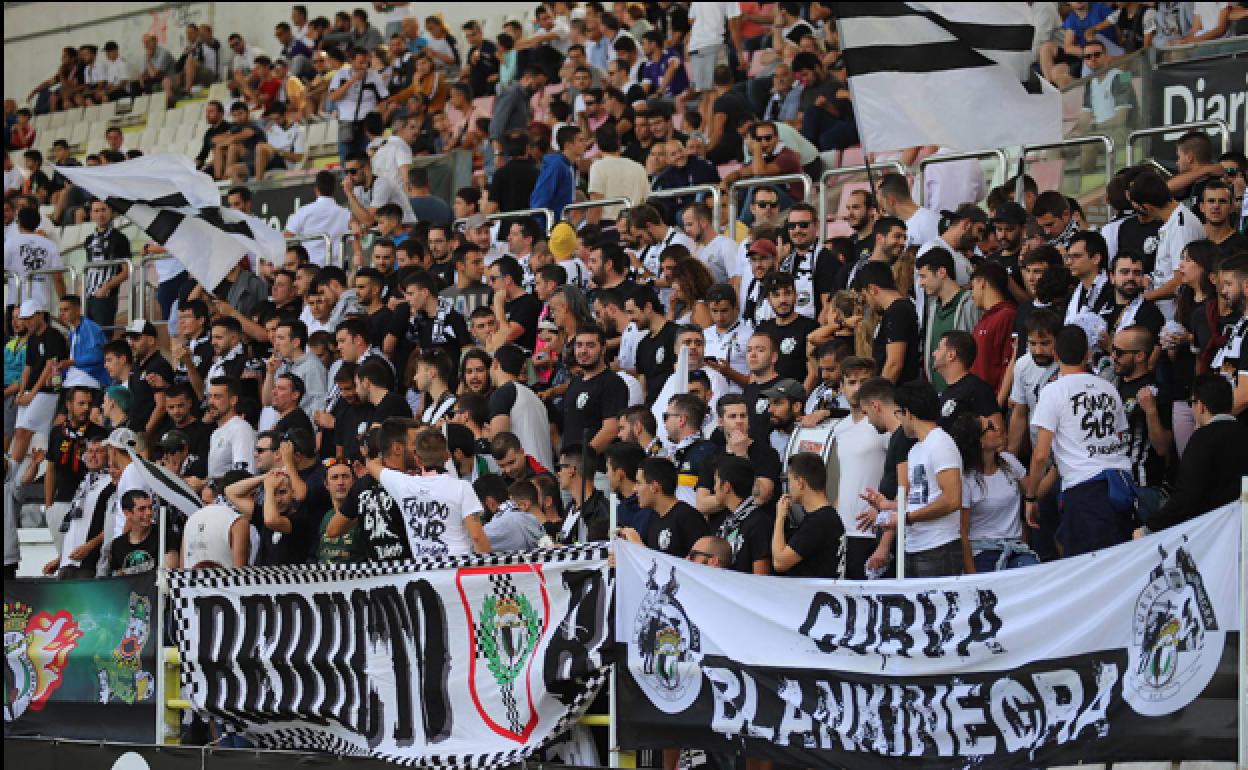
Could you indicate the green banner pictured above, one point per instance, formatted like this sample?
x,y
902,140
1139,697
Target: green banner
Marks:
x,y
81,658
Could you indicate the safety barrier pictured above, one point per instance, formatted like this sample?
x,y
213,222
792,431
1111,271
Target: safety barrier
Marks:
x,y
833,173
998,177
24,280
698,189
1177,128
624,201
764,181
326,237
550,217
347,238
140,287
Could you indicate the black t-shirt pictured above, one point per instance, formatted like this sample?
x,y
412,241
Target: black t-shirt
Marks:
x,y
750,539
761,454
735,110
969,395
899,323
65,448
656,359
385,536
379,324
898,450
41,348
133,558
759,406
276,548
1235,244
524,310
1148,315
790,340
160,366
818,540
296,418
392,405
1139,238
513,183
675,533
350,422
502,400
589,402
142,401
1148,466
198,435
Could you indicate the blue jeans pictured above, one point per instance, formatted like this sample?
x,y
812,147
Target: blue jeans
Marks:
x,y
1088,520
989,560
167,293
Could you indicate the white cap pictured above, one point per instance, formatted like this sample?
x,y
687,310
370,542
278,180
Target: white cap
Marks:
x,y
29,308
123,439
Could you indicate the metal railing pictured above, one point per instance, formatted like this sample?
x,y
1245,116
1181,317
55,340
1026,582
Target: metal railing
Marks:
x,y
624,201
326,237
832,173
764,181
998,176
1178,128
347,237
550,217
26,280
697,189
140,287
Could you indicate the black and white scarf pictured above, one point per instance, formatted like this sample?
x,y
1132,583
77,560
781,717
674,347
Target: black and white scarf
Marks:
x,y
1084,299
439,409
440,332
218,367
77,505
735,519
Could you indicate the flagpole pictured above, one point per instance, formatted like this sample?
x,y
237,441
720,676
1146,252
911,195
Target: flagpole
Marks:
x,y
862,135
158,633
1243,623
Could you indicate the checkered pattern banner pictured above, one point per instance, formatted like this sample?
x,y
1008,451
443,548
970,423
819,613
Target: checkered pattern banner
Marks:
x,y
470,662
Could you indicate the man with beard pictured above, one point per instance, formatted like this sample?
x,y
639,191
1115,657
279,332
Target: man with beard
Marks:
x,y
342,439
231,444
725,340
1216,204
895,348
656,352
595,397
957,236
765,213
788,330
193,345
426,320
1147,403
861,213
608,267
153,368
370,285
1032,372
888,240
229,357
1231,360
688,451
785,400
966,393
1055,219
65,470
468,292
1009,222
717,252
474,373
762,258
654,236
1130,308
180,415
813,267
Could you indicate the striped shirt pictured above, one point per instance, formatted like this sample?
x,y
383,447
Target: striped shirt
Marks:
x,y
100,246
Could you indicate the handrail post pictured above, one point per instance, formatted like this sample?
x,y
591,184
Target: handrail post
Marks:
x,y
622,200
821,205
549,214
1216,125
1105,141
697,189
764,181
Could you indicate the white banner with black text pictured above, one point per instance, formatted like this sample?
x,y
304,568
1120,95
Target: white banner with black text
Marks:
x,y
468,662
1123,654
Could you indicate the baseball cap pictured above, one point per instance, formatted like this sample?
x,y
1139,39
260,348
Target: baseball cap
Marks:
x,y
139,327
173,440
547,325
29,308
475,221
1010,213
562,241
786,388
764,246
122,438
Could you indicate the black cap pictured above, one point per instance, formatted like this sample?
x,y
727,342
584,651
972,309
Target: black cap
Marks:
x,y
786,388
173,440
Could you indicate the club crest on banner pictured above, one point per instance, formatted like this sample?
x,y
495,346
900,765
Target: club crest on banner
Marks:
x,y
665,652
508,612
36,652
1176,641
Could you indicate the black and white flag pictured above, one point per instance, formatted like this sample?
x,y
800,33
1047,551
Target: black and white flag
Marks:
x,y
180,208
951,74
168,486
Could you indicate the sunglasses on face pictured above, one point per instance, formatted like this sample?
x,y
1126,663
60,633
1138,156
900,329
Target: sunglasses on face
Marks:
x,y
764,137
799,225
767,204
1118,352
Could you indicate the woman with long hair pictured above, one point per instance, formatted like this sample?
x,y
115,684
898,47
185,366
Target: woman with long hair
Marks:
x,y
691,281
1191,348
992,498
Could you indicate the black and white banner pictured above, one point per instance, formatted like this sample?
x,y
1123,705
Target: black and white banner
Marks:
x,y
180,208
468,662
918,70
1124,654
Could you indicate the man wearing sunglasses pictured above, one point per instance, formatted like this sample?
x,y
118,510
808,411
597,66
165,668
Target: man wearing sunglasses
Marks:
x,y
367,193
768,157
813,267
1147,404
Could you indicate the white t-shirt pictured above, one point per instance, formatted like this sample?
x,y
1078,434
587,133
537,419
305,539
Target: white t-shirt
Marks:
x,y
13,179
860,451
923,227
1205,16
293,139
926,460
433,510
322,215
374,92
720,257
612,176
729,346
709,21
383,191
391,156
995,501
232,446
1085,415
1180,229
1029,380
25,252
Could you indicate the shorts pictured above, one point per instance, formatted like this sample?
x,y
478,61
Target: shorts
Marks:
x,y
702,66
37,416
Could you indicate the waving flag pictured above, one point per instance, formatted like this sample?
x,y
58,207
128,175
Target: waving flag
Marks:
x,y
951,74
180,208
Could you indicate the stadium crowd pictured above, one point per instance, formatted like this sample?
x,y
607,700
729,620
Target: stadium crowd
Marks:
x,y
1039,388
